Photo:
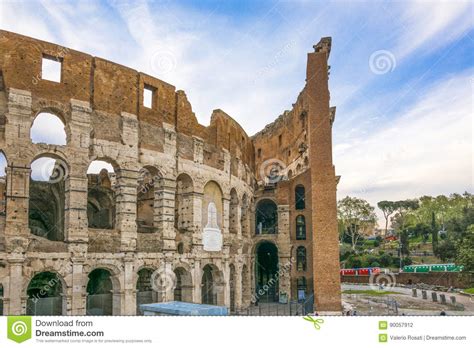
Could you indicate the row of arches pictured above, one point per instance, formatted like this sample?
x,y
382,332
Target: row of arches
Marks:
x,y
46,291
47,192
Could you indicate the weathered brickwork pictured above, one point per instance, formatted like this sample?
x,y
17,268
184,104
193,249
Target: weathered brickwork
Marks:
x,y
173,178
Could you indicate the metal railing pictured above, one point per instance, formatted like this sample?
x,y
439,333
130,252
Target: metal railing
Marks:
x,y
44,306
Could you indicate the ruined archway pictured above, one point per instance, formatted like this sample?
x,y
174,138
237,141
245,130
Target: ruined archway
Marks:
x,y
148,181
100,294
47,197
234,212
48,128
144,287
183,290
45,295
266,272
101,180
212,286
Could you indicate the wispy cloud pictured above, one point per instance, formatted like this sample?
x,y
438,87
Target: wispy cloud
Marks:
x,y
249,59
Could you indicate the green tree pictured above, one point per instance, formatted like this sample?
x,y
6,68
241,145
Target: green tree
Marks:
x,y
387,208
465,252
356,216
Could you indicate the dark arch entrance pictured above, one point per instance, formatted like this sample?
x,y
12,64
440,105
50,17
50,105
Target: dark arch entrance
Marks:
x,y
266,217
99,293
266,272
45,295
207,291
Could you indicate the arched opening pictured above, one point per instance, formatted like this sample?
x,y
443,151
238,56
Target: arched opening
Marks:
x,y
212,217
301,288
301,259
207,286
183,290
244,210
234,212
266,272
1,299
266,220
299,197
300,227
290,174
48,128
101,181
144,287
3,191
212,291
100,293
183,220
232,287
148,181
246,291
45,295
47,198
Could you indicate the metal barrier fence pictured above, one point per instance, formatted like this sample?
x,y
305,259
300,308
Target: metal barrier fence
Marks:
x,y
100,304
44,306
144,297
292,308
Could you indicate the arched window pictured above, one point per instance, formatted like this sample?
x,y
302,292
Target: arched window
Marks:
x,y
234,212
299,197
47,198
45,295
100,195
49,129
300,227
301,259
148,181
266,217
3,185
180,248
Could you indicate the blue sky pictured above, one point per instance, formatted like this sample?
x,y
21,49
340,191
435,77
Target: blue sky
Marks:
x,y
402,130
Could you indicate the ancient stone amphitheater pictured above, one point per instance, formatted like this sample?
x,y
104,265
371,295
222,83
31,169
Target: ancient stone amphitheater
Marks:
x,y
136,202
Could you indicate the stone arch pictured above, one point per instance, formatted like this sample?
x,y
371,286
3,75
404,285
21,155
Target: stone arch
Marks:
x,y
149,180
49,127
101,197
47,201
246,287
232,280
184,214
266,271
234,212
144,287
3,186
183,290
212,285
266,217
46,294
244,215
1,299
103,291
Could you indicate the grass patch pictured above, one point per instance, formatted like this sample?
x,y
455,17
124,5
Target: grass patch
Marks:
x,y
370,292
469,291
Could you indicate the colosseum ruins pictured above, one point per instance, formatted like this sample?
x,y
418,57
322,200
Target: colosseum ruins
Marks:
x,y
138,203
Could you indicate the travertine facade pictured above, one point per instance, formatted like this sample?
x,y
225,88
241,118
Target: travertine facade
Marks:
x,y
173,180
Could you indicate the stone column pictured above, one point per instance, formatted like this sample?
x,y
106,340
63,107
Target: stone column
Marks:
x,y
76,225
226,285
238,286
197,219
284,249
17,302
129,304
79,284
197,298
164,212
126,208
